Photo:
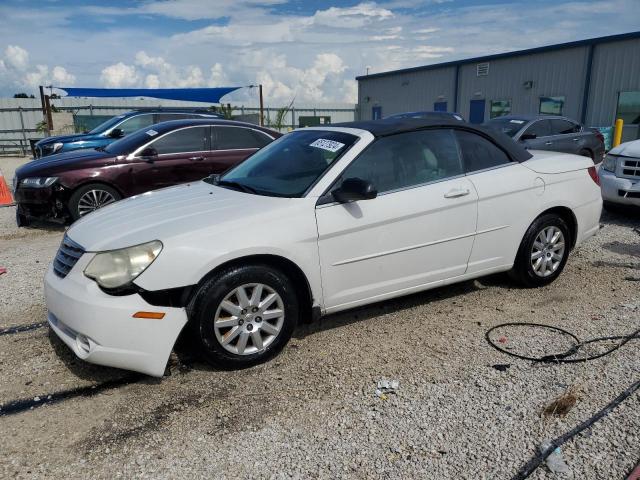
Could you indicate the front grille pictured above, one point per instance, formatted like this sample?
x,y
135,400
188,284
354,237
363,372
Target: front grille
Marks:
x,y
624,193
67,256
631,168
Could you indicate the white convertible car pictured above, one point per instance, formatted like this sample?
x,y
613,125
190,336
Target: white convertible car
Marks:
x,y
321,220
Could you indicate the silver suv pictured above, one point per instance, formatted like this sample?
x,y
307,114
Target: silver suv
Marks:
x,y
620,175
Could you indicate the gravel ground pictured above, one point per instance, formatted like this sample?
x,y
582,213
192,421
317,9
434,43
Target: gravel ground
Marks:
x,y
312,411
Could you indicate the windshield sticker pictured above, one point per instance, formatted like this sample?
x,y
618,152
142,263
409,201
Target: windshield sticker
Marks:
x,y
151,133
517,121
328,145
458,117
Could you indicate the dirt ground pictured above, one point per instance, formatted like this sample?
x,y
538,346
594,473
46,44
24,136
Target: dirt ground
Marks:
x,y
312,411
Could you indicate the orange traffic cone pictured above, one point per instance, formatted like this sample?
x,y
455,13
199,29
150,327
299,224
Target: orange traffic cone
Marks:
x,y
6,199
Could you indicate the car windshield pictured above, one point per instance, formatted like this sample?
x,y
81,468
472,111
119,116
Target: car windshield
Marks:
x,y
107,124
508,126
128,144
290,165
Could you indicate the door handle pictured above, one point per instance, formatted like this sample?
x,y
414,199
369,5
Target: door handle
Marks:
x,y
456,192
196,159
548,143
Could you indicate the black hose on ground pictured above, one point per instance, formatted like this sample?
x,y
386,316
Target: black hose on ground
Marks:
x,y
563,357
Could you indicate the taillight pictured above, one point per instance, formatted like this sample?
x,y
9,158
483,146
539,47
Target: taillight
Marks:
x,y
593,173
599,136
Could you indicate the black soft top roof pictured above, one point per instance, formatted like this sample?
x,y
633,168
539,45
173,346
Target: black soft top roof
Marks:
x,y
390,126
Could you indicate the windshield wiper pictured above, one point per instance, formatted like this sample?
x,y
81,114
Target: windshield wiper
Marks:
x,y
237,185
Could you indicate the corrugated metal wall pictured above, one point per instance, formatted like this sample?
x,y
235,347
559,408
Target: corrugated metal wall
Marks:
x,y
559,73
616,68
406,92
562,72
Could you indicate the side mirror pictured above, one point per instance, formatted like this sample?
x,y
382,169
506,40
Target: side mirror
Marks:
x,y
528,136
116,133
148,153
353,189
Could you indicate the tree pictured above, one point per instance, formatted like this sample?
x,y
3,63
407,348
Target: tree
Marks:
x,y
22,95
279,122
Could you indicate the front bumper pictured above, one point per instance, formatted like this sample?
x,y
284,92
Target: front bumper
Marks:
x,y
100,328
44,203
623,191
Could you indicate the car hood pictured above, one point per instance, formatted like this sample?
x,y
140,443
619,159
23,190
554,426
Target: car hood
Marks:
x,y
67,138
51,164
172,212
628,149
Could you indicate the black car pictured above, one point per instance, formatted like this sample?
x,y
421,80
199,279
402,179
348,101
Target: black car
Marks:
x,y
547,132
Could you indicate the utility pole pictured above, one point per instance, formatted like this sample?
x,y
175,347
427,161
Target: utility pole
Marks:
x,y
44,110
261,106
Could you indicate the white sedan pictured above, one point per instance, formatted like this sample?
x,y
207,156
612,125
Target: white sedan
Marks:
x,y
322,220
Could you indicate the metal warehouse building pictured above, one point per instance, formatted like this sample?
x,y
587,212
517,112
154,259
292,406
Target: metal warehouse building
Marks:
x,y
594,81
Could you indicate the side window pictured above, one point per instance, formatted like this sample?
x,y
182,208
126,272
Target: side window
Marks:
x,y
230,138
407,159
563,127
182,141
132,124
479,153
541,128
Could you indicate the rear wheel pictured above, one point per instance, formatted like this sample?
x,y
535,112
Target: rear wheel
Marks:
x,y
91,197
543,252
243,316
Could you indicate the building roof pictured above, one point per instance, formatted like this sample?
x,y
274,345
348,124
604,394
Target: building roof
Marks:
x,y
390,126
517,53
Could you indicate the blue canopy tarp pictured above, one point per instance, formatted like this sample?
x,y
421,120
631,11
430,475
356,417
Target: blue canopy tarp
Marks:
x,y
209,95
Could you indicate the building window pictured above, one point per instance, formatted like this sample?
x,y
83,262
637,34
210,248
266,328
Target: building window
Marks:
x,y
629,107
551,105
500,108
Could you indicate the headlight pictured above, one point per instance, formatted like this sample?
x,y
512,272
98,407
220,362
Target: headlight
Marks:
x,y
117,268
609,163
57,147
38,182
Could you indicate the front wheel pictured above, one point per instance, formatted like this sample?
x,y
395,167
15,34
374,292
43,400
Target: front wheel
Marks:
x,y
543,251
91,197
243,316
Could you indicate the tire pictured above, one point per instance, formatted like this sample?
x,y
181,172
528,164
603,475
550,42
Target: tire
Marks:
x,y
97,194
205,311
523,269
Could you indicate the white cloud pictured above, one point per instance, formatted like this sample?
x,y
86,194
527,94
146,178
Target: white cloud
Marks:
x,y
16,57
119,75
60,76
351,17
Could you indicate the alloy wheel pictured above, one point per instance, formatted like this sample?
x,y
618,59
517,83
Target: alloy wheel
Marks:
x,y
249,319
547,251
93,200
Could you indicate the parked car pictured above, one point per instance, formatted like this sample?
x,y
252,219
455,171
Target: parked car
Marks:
x,y
69,185
429,114
321,220
555,133
620,175
114,129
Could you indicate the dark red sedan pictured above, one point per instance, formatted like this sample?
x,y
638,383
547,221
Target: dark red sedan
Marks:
x,y
69,185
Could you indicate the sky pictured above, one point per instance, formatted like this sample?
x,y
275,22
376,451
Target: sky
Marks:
x,y
309,51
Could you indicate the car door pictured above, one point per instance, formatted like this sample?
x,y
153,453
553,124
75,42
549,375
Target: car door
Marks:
x,y
537,136
508,197
233,144
417,232
180,154
566,136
